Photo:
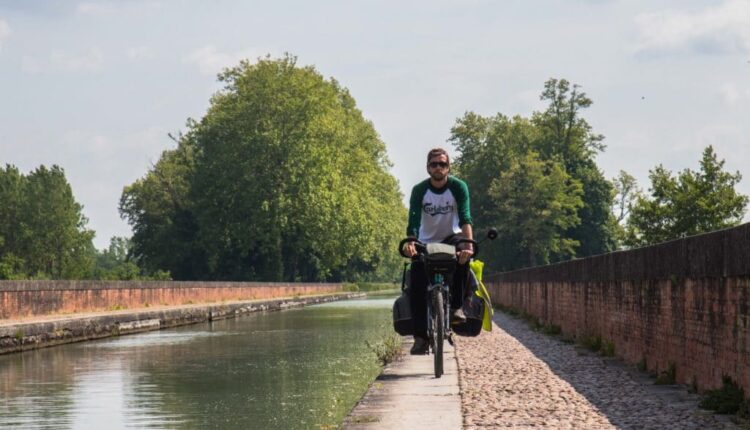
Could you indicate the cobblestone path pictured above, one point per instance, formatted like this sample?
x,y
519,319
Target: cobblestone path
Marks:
x,y
514,377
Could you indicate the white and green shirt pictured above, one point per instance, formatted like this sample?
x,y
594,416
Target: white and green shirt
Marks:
x,y
436,213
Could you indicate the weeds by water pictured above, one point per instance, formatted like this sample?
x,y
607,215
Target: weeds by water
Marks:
x,y
388,349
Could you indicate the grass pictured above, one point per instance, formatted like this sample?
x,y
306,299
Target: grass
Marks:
x,y
642,365
388,349
19,335
667,377
729,399
607,349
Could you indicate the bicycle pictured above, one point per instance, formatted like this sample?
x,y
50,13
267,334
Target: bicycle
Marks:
x,y
440,263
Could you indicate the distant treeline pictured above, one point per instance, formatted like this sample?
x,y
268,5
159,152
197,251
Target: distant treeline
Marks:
x,y
285,179
43,232
537,181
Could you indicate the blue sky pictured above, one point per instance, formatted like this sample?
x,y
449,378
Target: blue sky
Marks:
x,y
96,86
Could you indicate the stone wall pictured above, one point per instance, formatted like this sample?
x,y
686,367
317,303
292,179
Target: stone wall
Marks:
x,y
24,299
684,303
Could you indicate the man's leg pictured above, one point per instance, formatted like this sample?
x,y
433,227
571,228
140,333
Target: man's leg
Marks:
x,y
418,290
459,279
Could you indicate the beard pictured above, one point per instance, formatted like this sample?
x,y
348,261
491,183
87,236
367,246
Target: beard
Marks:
x,y
438,175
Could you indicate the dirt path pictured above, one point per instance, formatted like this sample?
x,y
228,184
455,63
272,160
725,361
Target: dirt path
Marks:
x,y
516,377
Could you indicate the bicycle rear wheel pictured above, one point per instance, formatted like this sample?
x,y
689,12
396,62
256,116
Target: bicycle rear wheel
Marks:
x,y
439,334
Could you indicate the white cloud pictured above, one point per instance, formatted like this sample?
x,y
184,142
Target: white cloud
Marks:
x,y
4,32
60,61
210,61
715,30
140,53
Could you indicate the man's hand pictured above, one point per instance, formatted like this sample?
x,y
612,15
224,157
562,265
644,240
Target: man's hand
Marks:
x,y
410,250
464,255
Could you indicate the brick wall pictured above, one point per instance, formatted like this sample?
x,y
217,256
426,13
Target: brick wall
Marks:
x,y
23,299
685,302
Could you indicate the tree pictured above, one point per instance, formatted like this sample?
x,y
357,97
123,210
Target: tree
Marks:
x,y
688,204
487,147
287,180
559,138
11,196
42,228
159,208
116,263
568,137
626,192
537,201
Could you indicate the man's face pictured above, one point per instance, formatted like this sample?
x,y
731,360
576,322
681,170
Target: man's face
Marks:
x,y
438,167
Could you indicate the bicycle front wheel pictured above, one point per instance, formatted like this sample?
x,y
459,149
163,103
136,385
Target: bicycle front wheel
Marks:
x,y
439,334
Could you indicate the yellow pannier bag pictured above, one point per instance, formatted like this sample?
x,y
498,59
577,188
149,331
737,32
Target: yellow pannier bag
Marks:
x,y
481,292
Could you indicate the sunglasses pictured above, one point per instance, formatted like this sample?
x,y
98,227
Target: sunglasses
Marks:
x,y
435,164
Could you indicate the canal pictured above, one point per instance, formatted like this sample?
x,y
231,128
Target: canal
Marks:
x,y
296,369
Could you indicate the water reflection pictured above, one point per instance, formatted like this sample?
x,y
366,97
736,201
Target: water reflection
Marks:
x,y
301,368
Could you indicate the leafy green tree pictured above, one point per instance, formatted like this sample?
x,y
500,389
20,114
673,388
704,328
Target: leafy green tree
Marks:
x,y
11,195
568,137
487,148
287,180
537,201
687,204
159,208
56,241
114,263
42,228
626,191
559,137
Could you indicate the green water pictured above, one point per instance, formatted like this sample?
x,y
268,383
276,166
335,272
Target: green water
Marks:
x,y
295,369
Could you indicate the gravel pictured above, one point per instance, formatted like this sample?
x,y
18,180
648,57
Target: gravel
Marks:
x,y
515,377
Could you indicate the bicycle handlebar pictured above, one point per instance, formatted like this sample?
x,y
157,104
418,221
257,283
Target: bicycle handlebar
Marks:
x,y
422,248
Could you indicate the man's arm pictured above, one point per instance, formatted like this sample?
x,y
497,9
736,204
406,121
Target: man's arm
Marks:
x,y
465,254
464,219
415,211
415,219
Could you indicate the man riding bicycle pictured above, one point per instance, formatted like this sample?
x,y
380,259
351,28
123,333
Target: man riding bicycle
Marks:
x,y
438,212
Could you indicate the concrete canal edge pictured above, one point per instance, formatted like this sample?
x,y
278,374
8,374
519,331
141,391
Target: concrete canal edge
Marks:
x,y
407,395
17,336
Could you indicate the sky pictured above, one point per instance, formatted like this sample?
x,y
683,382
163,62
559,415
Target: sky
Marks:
x,y
96,86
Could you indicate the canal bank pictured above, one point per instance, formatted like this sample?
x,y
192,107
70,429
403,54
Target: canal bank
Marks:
x,y
44,331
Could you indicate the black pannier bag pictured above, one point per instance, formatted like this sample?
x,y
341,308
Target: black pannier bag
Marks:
x,y
402,320
473,308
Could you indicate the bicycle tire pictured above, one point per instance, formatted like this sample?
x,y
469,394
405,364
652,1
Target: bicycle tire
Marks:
x,y
439,326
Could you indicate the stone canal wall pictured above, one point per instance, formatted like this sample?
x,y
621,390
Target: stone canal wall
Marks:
x,y
683,304
16,336
24,299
